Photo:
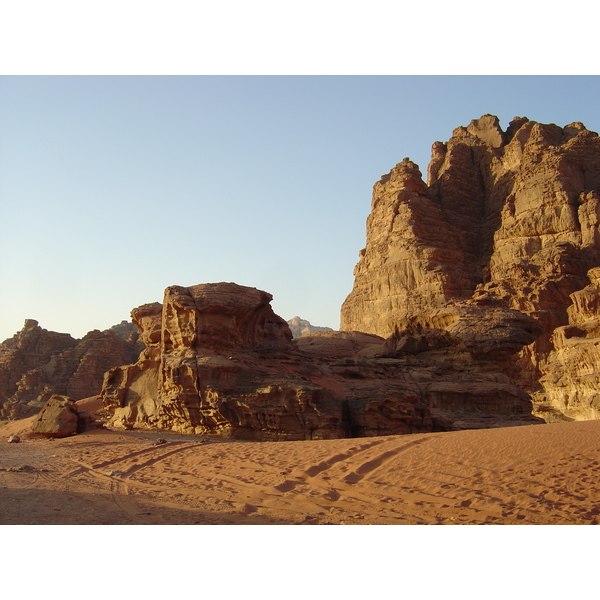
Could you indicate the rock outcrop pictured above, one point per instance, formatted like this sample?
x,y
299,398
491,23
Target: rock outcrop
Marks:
x,y
508,219
219,361
215,363
340,344
36,363
300,327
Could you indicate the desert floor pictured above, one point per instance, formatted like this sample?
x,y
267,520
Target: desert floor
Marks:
x,y
539,474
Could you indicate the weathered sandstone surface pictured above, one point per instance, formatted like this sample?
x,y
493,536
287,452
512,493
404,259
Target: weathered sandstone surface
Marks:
x,y
571,375
218,360
300,327
36,363
507,220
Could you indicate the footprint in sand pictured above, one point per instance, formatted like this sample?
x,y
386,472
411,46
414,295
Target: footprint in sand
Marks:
x,y
286,486
332,495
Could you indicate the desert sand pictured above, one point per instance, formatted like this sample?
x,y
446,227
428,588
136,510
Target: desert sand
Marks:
x,y
536,474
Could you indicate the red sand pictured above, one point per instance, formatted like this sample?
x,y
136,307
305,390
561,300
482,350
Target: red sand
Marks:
x,y
539,474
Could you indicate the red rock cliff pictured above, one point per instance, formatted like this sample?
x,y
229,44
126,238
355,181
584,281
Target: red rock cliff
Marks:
x,y
507,219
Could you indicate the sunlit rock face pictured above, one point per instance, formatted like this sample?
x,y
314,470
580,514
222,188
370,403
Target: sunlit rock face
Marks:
x,y
571,374
507,219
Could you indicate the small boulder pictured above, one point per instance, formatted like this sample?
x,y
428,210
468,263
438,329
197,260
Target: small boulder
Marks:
x,y
14,439
58,418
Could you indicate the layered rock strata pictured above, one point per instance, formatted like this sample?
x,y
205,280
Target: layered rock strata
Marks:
x,y
219,361
36,363
507,219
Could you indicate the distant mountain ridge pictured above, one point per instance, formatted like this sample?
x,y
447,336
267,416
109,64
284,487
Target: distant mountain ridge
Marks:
x,y
302,327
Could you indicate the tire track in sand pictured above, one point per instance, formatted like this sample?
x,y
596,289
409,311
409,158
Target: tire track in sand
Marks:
x,y
290,484
95,467
312,485
371,465
118,483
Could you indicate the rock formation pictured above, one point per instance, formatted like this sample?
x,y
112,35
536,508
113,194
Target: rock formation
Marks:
x,y
219,361
300,327
213,363
36,363
507,219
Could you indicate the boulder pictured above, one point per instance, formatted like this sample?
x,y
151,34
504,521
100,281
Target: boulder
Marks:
x,y
58,418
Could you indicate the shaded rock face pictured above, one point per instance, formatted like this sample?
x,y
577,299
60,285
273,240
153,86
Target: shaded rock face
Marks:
x,y
219,361
36,363
300,327
487,333
340,344
508,219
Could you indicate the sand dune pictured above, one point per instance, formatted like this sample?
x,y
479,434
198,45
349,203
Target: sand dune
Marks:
x,y
539,474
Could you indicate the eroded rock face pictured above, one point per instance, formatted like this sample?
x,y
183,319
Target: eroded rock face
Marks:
x,y
36,363
490,333
340,344
219,361
508,219
215,362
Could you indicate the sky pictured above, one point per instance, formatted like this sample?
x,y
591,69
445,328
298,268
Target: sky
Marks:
x,y
115,187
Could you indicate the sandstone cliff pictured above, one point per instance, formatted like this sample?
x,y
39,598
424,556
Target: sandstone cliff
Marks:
x,y
219,361
300,327
36,363
507,219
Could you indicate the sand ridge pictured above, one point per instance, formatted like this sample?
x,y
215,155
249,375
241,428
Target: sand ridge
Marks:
x,y
538,474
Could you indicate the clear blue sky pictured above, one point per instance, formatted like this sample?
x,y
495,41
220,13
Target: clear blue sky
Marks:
x,y
112,188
